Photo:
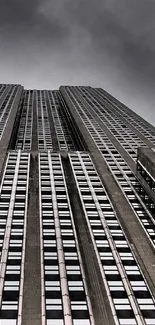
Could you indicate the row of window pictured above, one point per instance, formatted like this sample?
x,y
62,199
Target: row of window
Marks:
x,y
129,141
64,288
40,98
3,89
126,287
13,210
145,174
135,120
63,134
44,133
136,196
59,236
120,172
130,187
24,136
10,94
64,123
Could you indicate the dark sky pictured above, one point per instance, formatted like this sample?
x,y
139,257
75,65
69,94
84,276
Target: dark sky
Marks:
x,y
104,43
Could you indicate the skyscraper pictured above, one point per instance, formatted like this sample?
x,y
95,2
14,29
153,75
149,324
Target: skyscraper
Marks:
x,y
77,209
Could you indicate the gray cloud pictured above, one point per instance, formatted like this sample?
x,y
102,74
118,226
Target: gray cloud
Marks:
x,y
122,30
110,43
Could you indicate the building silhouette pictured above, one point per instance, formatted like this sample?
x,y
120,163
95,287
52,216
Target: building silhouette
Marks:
x,y
77,209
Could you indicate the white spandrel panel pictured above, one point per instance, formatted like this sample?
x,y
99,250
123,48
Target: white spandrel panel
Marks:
x,y
8,322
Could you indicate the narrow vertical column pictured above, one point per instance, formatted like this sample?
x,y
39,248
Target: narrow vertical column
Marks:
x,y
12,144
61,260
52,125
35,124
5,248
20,302
32,276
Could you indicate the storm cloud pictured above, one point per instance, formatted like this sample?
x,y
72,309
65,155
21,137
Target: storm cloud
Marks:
x,y
108,43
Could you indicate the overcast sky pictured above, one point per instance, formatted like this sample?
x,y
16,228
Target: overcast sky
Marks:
x,y
101,43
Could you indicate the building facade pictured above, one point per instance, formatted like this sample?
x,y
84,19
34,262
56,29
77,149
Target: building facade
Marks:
x,y
77,209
